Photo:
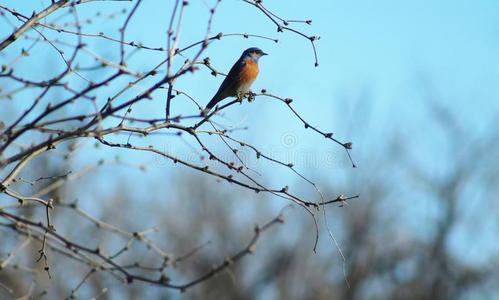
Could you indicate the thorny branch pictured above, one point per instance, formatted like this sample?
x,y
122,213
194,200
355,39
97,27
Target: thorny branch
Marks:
x,y
107,263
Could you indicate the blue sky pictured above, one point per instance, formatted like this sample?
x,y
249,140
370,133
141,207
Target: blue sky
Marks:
x,y
381,48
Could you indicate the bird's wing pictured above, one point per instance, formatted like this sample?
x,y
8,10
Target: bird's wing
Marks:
x,y
229,85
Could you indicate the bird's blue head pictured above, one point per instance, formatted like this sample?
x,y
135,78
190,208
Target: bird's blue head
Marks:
x,y
253,53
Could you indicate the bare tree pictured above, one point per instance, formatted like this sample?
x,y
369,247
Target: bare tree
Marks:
x,y
49,117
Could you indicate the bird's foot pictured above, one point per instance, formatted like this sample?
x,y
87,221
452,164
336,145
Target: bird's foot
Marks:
x,y
240,98
251,96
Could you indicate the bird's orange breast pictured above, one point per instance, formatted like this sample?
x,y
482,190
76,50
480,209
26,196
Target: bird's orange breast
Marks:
x,y
249,72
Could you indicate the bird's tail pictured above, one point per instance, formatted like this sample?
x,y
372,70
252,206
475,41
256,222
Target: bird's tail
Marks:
x,y
211,104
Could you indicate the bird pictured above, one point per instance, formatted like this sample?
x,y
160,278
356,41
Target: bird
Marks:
x,y
240,77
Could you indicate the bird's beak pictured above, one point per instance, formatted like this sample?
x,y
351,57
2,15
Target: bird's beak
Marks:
x,y
263,53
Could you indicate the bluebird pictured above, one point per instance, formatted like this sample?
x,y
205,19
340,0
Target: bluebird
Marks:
x,y
240,77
